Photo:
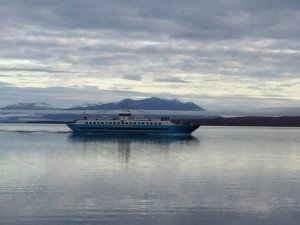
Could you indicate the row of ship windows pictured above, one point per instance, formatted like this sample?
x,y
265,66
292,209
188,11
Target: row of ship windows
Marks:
x,y
123,128
130,123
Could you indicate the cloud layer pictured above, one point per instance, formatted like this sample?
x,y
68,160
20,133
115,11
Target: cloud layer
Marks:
x,y
192,50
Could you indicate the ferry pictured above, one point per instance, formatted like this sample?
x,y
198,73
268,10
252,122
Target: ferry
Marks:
x,y
126,123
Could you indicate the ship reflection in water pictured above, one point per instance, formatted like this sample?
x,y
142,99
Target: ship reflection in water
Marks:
x,y
124,142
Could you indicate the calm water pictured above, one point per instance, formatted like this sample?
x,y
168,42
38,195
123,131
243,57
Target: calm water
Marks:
x,y
220,175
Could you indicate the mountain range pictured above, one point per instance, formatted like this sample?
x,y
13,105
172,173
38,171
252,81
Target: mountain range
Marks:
x,y
153,103
28,106
144,104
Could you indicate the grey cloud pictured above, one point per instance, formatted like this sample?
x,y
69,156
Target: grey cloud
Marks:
x,y
3,83
171,80
32,70
133,77
164,41
241,105
189,19
62,96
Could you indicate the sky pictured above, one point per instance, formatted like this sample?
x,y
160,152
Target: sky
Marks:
x,y
219,54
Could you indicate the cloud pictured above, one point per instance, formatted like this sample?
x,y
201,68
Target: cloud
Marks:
x,y
132,77
3,83
190,19
62,96
32,70
188,48
171,80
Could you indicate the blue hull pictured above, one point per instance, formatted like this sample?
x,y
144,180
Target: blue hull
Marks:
x,y
162,129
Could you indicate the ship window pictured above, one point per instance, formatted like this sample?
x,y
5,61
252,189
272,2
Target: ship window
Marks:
x,y
94,122
126,122
102,122
118,122
134,122
155,123
130,123
114,122
86,122
98,122
109,122
147,123
106,122
143,123
151,123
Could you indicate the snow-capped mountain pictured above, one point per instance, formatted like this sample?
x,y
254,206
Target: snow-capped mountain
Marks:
x,y
85,105
28,106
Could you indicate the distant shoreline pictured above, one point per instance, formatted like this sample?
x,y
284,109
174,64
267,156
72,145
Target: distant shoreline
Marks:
x,y
284,121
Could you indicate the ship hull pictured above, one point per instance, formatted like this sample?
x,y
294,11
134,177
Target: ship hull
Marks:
x,y
162,129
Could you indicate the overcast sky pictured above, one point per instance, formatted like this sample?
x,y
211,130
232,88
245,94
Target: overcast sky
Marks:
x,y
216,53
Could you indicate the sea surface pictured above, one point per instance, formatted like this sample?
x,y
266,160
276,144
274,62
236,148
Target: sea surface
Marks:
x,y
219,176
